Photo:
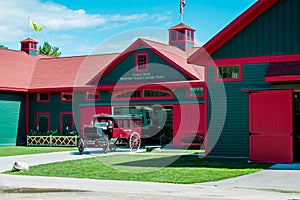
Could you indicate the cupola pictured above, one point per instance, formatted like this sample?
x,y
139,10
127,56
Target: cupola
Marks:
x,y
181,36
29,46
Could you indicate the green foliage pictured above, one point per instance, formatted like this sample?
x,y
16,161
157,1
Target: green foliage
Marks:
x,y
47,49
3,47
53,133
147,167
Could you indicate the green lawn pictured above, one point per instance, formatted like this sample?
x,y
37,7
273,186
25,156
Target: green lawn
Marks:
x,y
23,150
146,167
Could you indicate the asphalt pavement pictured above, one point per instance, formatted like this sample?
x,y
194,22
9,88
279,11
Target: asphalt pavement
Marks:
x,y
281,182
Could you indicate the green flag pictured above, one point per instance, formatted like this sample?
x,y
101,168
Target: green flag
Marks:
x,y
36,26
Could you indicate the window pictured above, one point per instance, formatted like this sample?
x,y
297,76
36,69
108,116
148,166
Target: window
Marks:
x,y
190,35
228,73
66,122
127,94
137,123
142,94
196,92
181,34
141,62
121,123
43,97
126,124
173,35
43,122
92,96
156,93
66,96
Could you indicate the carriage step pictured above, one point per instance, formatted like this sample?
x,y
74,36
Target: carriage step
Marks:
x,y
152,148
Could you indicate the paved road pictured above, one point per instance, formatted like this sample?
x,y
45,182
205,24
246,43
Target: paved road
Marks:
x,y
6,163
272,179
268,184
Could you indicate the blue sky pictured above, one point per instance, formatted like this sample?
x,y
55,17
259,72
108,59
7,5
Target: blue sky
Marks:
x,y
77,27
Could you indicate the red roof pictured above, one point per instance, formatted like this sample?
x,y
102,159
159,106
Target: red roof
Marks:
x,y
181,26
283,69
29,40
68,72
231,30
22,72
172,54
16,68
283,72
179,57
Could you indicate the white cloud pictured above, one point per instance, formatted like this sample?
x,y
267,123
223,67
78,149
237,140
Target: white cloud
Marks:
x,y
56,17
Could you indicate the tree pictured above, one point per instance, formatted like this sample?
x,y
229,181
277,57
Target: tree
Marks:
x,y
3,47
47,49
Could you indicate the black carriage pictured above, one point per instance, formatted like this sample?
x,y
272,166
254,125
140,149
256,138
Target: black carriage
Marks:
x,y
111,131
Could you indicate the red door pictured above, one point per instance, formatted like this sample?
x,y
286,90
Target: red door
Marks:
x,y
271,126
187,120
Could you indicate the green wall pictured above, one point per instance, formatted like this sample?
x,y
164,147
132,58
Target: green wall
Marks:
x,y
275,32
12,118
54,107
159,70
233,140
10,112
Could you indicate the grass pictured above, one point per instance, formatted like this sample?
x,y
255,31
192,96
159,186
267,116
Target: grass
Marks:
x,y
176,151
23,150
184,169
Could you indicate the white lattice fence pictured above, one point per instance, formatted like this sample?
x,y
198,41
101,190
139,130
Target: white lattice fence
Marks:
x,y
61,141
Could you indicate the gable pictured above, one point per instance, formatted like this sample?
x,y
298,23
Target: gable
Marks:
x,y
274,32
158,69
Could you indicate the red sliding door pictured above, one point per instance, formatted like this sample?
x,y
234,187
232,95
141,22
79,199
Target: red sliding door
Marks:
x,y
271,126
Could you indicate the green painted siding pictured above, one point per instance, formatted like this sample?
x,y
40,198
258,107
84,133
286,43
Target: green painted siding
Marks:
x,y
54,107
189,45
275,32
14,99
10,112
33,53
234,137
159,70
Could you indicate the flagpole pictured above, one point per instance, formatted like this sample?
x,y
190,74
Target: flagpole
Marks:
x,y
28,26
181,17
182,4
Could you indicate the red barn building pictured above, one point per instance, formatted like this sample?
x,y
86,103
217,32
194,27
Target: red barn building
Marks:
x,y
148,78
255,62
241,89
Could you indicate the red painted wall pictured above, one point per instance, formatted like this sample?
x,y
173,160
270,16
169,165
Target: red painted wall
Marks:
x,y
187,119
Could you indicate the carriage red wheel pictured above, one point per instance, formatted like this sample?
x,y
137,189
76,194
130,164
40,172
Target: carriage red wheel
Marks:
x,y
134,141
